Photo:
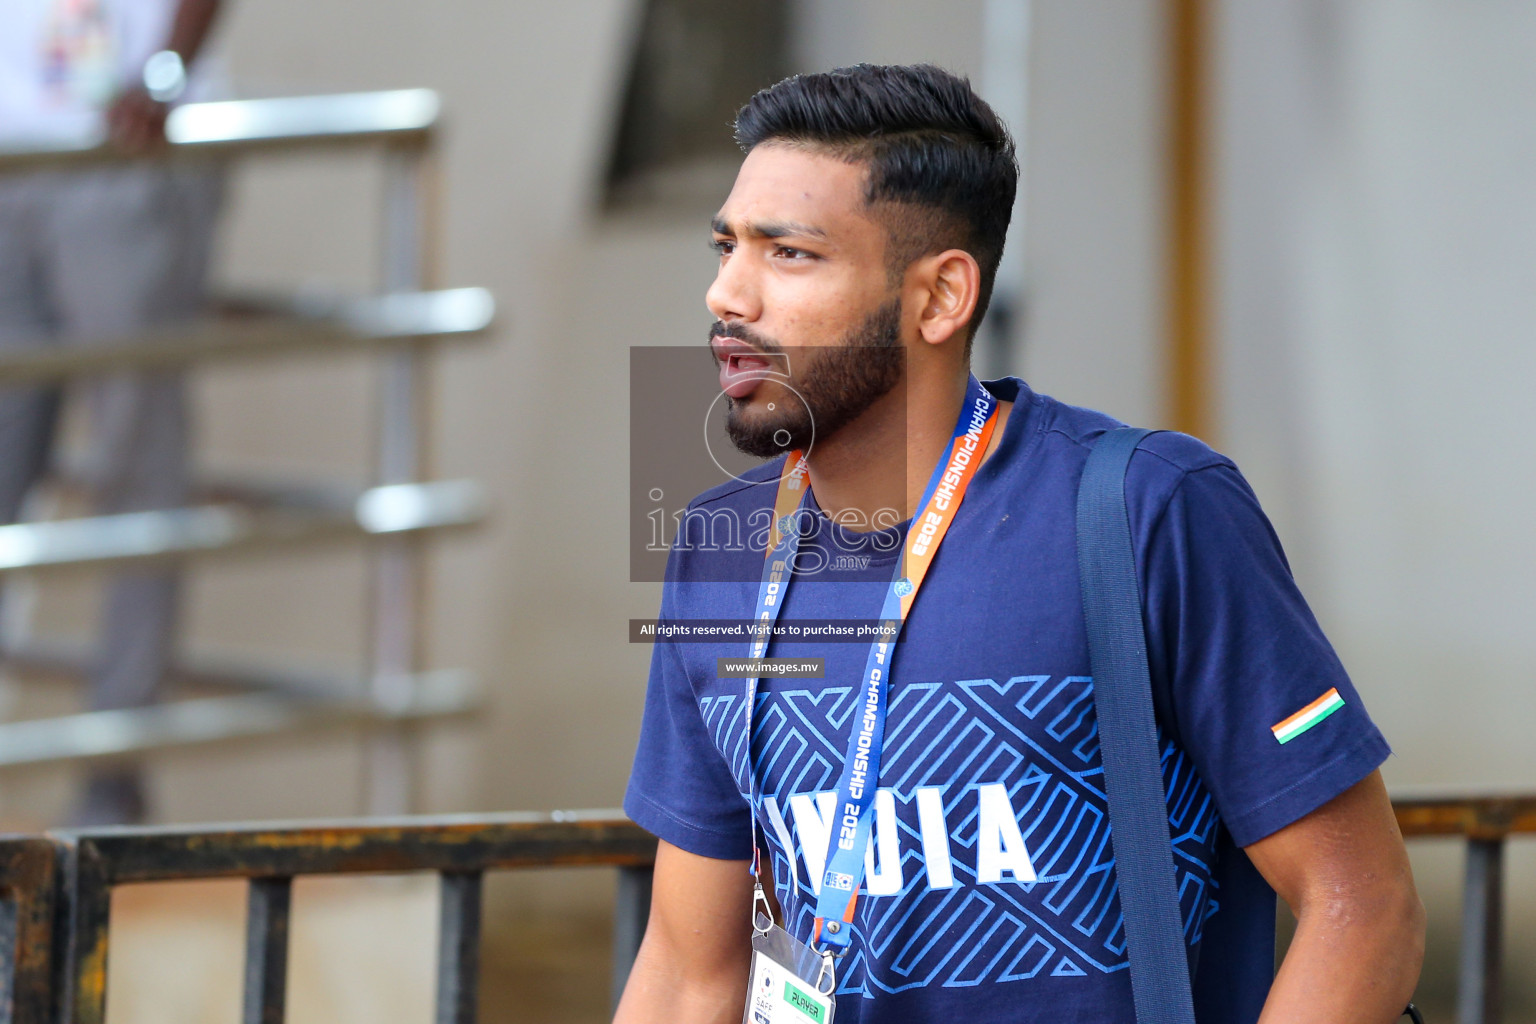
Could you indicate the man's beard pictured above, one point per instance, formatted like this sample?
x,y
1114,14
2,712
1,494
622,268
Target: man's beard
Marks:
x,y
840,383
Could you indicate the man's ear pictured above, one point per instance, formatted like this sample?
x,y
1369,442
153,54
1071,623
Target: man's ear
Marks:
x,y
951,285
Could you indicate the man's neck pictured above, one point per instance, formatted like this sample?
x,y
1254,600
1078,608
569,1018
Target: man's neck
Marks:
x,y
872,473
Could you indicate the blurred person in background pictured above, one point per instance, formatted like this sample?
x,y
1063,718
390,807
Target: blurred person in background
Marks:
x,y
91,255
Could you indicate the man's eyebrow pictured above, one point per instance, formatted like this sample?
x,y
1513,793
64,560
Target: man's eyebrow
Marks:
x,y
767,229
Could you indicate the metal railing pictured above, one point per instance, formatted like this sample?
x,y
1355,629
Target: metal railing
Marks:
x,y
225,719
402,119
63,881
399,325
261,327
1486,822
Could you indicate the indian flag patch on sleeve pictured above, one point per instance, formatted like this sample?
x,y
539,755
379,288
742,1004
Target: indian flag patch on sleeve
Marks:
x,y
1308,716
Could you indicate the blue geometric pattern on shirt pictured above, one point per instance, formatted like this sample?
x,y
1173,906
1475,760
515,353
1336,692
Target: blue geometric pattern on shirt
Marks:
x,y
1039,737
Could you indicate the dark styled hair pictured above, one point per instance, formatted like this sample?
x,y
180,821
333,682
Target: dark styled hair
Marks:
x,y
942,171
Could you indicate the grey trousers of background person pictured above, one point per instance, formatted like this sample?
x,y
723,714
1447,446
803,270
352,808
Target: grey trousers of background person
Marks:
x,y
87,257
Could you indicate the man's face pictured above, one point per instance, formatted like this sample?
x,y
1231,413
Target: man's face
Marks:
x,y
808,331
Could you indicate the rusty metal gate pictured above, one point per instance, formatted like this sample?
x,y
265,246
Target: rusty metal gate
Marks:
x,y
55,893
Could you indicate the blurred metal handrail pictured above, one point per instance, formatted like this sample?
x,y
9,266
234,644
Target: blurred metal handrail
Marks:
x,y
196,670
210,721
276,329
400,127
395,118
389,510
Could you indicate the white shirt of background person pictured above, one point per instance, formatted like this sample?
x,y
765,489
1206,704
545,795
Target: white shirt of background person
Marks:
x,y
63,61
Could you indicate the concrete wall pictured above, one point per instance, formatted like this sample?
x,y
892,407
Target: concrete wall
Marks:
x,y
1093,198
1377,207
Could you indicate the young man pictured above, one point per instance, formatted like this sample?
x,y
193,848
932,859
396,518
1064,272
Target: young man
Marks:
x,y
858,247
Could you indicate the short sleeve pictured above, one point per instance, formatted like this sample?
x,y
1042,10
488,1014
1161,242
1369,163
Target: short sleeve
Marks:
x,y
1241,670
681,789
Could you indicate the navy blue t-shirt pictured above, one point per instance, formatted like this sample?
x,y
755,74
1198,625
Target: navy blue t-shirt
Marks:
x,y
990,892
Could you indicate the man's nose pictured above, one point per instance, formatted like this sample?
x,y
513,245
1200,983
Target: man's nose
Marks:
x,y
734,295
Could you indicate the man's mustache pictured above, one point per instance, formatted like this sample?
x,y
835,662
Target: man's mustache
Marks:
x,y
739,332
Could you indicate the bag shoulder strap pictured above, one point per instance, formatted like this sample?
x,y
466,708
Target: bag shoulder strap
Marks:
x,y
1122,700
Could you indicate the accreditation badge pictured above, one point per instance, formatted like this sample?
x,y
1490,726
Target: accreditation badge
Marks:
x,y
790,982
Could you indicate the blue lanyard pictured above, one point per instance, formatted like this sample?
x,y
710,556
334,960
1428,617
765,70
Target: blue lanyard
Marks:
x,y
854,816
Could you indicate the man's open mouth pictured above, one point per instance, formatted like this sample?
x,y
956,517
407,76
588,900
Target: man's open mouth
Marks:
x,y
743,368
